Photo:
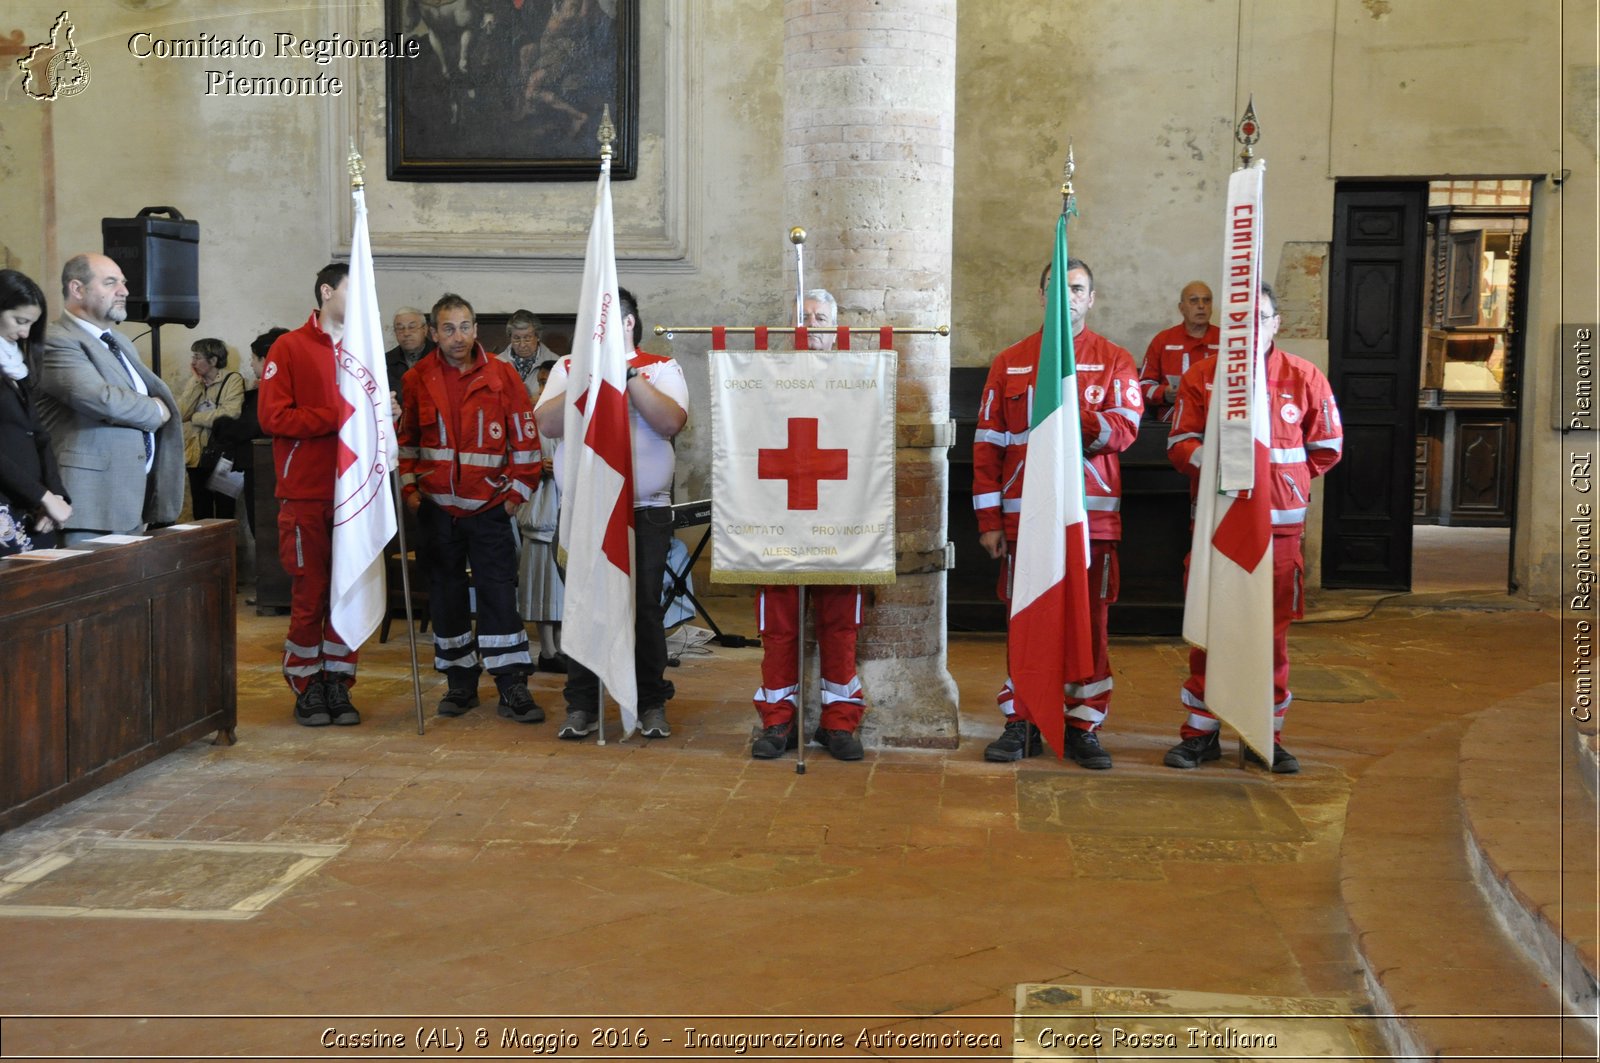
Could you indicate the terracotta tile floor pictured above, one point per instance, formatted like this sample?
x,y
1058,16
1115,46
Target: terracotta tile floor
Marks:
x,y
491,870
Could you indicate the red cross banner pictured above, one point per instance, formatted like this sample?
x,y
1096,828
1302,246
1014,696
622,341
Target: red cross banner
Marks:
x,y
802,479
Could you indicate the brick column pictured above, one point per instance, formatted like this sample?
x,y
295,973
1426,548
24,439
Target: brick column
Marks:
x,y
869,145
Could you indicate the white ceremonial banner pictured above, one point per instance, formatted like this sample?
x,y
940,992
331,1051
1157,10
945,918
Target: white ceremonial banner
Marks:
x,y
363,504
802,469
596,527
1227,608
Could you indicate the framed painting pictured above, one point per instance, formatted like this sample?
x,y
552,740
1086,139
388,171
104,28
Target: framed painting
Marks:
x,y
1464,252
511,90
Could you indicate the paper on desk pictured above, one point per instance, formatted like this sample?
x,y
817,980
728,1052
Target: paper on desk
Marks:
x,y
183,527
117,540
48,554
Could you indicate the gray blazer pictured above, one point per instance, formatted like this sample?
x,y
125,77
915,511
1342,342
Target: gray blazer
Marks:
x,y
97,422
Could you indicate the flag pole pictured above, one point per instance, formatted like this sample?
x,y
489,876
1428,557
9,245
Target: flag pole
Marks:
x,y
606,132
405,590
797,237
1247,133
358,184
1069,204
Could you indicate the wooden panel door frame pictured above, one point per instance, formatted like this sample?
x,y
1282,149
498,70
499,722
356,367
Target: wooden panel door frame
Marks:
x,y
1374,366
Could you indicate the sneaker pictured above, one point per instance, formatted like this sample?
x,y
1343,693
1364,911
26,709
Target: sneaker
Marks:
x,y
1085,748
517,704
556,664
311,706
1192,752
653,723
457,700
775,741
841,745
1283,761
578,725
340,708
1019,739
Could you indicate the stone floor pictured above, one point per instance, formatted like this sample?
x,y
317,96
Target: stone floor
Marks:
x,y
377,883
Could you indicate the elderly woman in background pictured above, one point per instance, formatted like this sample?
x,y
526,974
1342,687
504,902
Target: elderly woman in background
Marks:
x,y
212,393
540,592
33,503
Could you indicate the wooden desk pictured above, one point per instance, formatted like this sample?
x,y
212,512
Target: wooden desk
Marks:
x,y
113,660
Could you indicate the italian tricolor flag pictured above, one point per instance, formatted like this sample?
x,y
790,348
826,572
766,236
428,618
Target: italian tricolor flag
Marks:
x,y
1049,638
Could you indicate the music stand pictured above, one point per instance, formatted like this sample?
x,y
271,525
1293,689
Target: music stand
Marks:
x,y
694,515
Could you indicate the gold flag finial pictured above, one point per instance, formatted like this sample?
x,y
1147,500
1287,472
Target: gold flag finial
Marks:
x,y
797,235
357,168
1069,199
608,132
1247,132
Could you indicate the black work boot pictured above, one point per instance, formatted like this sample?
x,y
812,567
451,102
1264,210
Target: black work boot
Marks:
x,y
1191,752
1019,739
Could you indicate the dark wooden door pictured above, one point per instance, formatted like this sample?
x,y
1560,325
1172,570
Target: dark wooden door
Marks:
x,y
1375,341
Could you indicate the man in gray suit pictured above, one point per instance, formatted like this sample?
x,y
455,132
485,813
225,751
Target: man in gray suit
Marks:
x,y
114,423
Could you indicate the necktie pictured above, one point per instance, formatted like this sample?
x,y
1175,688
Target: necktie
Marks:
x,y
149,440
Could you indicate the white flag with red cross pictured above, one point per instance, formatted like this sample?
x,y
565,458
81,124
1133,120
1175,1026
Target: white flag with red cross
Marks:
x,y
597,481
803,469
363,504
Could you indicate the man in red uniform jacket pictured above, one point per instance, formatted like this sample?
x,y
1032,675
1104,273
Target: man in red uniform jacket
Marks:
x,y
1307,440
1174,350
1110,406
469,456
837,610
299,406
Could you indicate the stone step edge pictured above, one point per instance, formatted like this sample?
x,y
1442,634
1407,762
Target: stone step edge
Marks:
x,y
1422,1023
1548,945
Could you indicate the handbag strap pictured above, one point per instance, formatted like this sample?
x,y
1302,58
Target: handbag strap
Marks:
x,y
222,382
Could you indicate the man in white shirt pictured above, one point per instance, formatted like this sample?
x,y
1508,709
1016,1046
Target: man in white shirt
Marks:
x,y
658,406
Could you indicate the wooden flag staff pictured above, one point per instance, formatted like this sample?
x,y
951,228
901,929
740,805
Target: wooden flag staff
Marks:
x,y
797,237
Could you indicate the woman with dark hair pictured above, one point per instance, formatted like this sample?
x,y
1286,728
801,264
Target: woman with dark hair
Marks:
x,y
210,395
33,503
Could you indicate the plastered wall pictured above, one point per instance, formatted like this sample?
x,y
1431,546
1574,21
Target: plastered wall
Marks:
x,y
700,234
1148,91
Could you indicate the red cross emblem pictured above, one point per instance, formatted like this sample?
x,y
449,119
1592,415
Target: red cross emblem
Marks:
x,y
802,464
345,456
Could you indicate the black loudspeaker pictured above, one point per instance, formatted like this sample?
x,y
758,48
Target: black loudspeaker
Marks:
x,y
161,259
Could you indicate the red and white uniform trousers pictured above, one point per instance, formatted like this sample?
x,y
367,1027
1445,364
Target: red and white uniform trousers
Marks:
x,y
484,540
1288,605
837,612
305,549
1088,702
